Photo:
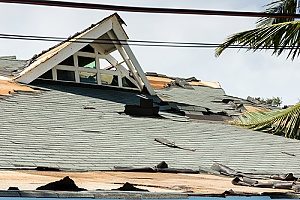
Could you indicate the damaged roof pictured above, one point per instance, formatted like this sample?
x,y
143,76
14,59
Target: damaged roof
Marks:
x,y
54,124
81,128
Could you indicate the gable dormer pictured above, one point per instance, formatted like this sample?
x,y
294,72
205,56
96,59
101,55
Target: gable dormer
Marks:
x,y
98,55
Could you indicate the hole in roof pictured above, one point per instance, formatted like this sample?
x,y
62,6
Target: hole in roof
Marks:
x,y
69,61
86,62
65,75
87,49
47,75
88,77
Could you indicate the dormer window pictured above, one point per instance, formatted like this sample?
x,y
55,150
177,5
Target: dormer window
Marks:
x,y
80,59
89,68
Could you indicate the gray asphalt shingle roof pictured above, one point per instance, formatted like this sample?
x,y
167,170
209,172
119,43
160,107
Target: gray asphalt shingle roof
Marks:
x,y
198,98
53,129
10,66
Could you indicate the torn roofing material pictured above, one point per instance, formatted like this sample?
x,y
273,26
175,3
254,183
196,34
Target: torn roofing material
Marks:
x,y
159,81
163,184
52,129
200,100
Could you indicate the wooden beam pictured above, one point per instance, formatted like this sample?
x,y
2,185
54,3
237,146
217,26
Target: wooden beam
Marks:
x,y
119,33
114,62
57,55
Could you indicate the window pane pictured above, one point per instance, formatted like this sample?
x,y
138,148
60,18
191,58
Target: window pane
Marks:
x,y
65,75
108,79
86,77
86,62
69,61
47,75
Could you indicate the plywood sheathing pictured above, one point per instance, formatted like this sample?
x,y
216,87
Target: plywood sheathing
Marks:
x,y
154,182
162,82
10,87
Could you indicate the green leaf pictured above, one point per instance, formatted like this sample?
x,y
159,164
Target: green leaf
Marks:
x,y
284,122
279,7
278,38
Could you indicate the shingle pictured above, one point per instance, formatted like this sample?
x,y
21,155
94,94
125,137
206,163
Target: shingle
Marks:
x,y
52,129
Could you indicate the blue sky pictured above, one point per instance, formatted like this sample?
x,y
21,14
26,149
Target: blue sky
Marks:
x,y
240,73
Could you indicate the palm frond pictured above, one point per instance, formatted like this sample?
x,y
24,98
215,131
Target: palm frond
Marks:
x,y
278,37
283,122
279,7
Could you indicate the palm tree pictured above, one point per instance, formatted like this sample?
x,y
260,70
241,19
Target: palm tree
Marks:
x,y
278,35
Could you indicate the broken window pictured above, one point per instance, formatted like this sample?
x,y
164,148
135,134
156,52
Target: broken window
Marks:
x,y
86,62
65,75
69,61
47,75
87,77
87,49
108,79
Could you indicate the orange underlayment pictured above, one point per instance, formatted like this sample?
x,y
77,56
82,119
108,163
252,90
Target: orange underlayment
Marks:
x,y
154,182
9,87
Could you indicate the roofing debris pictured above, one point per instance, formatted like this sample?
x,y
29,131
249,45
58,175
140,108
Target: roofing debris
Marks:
x,y
65,184
278,181
159,81
130,187
71,127
168,143
200,100
162,167
194,184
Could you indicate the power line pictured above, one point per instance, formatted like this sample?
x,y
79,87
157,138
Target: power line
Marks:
x,y
144,43
149,9
107,40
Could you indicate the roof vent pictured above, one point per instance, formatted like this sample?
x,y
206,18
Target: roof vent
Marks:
x,y
146,108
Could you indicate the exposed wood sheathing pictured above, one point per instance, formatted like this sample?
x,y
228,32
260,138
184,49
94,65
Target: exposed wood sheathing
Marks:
x,y
154,182
9,87
162,82
250,108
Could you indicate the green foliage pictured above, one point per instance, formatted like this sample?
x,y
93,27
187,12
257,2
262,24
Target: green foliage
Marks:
x,y
278,35
280,7
284,122
274,101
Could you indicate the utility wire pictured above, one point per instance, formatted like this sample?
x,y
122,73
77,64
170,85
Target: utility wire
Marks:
x,y
144,43
109,40
149,9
